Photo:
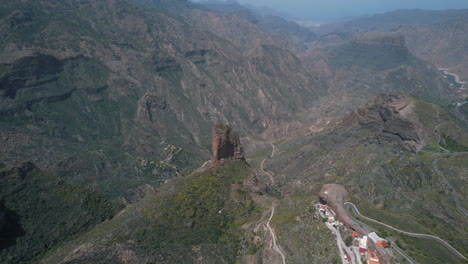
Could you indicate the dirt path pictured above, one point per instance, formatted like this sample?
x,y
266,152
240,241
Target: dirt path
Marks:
x,y
272,208
273,236
273,153
202,167
274,150
272,181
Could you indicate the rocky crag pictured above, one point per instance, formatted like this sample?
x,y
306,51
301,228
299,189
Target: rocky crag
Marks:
x,y
226,145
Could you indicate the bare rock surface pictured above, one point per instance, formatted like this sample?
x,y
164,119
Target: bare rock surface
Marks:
x,y
226,145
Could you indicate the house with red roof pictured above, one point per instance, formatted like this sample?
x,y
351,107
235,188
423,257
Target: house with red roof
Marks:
x,y
372,258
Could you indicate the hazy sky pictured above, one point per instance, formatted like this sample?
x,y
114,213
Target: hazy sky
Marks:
x,y
334,9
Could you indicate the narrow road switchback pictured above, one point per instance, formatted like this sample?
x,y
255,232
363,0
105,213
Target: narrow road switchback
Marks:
x,y
438,239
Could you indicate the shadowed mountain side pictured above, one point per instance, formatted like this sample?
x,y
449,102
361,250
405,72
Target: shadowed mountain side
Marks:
x,y
38,211
10,227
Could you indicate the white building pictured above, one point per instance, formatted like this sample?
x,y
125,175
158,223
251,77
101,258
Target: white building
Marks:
x,y
375,237
363,242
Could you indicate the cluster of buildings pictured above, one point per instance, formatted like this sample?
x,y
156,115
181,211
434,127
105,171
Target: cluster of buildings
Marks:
x,y
361,242
327,212
364,249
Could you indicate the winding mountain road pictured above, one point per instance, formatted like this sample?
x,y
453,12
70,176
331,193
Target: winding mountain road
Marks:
x,y
357,221
437,170
402,252
348,205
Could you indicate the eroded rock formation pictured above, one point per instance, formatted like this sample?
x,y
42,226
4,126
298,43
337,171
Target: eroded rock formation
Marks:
x,y
226,145
393,120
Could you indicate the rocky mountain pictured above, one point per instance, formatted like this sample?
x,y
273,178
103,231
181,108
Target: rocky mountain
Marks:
x,y
393,120
361,68
128,90
392,21
295,34
386,156
382,153
443,43
226,145
437,37
106,125
382,62
206,217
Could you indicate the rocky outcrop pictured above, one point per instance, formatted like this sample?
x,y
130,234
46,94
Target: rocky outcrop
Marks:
x,y
391,118
226,145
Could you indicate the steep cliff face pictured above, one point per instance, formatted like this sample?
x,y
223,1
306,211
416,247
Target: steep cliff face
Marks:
x,y
226,145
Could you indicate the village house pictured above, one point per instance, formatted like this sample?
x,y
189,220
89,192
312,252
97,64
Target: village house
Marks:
x,y
331,219
372,257
378,240
382,243
323,208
